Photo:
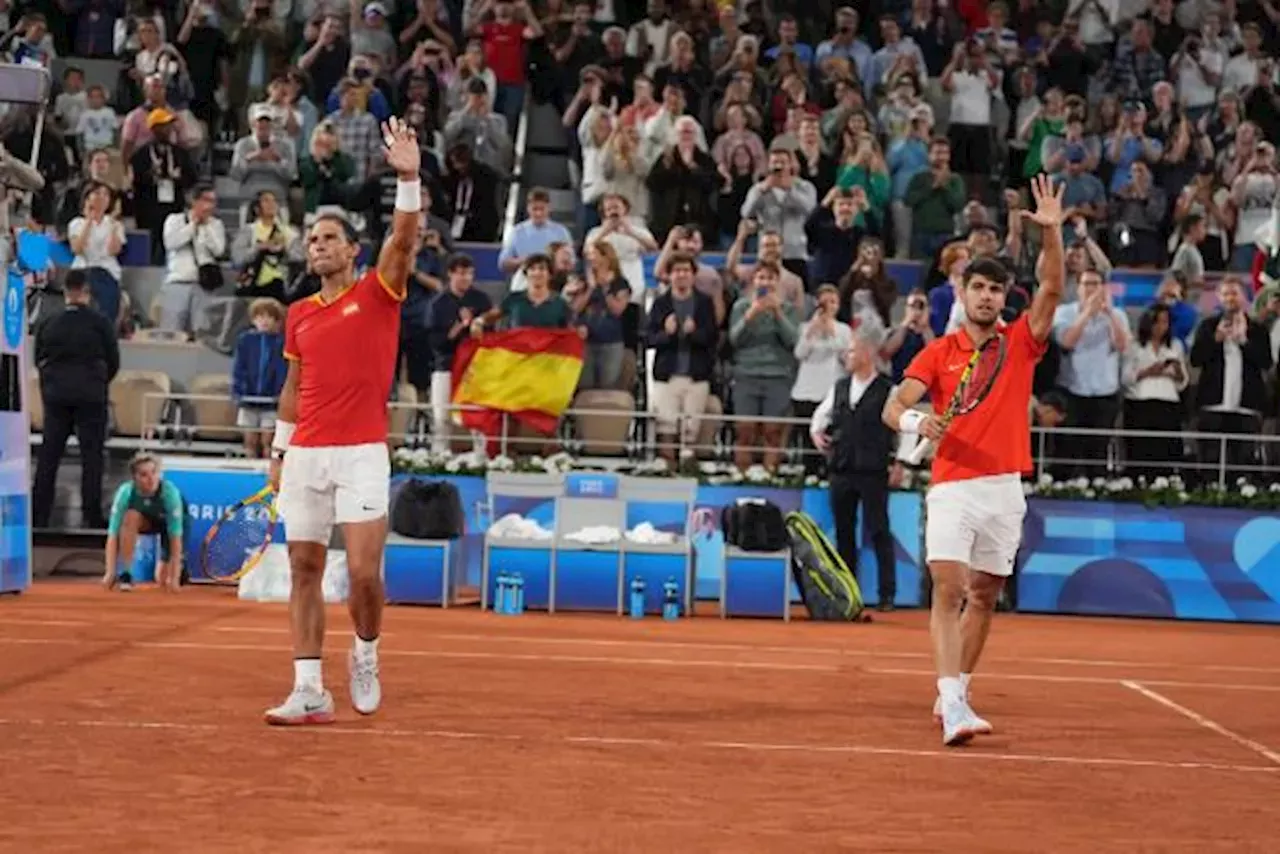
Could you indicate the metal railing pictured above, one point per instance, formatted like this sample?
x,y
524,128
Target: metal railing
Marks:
x,y
512,211
1255,456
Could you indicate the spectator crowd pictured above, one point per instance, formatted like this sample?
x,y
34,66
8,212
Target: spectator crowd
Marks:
x,y
816,147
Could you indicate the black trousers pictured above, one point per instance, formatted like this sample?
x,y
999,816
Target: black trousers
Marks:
x,y
871,490
1239,453
89,421
1153,457
814,461
1088,454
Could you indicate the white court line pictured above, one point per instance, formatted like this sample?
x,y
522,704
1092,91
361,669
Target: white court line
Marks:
x,y
424,653
1200,719
675,645
969,754
1081,680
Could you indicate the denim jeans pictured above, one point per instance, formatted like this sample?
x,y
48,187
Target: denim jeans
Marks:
x,y
509,101
106,293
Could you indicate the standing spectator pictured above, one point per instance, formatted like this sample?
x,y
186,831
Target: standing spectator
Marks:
x,y
1155,374
1138,212
649,39
1205,199
1188,263
532,237
816,165
504,50
594,132
260,55
1093,335
624,169
208,57
845,44
1233,353
833,235
77,356
97,239
258,369
264,161
686,240
326,172
934,197
908,157
782,202
266,250
790,286
683,330
848,425
1182,316
820,352
1083,194
682,183
534,306
371,33
763,331
1138,66
1197,69
630,239
487,132
324,55
471,188
194,240
98,124
910,336
358,134
1241,71
971,81
95,27
140,123
449,318
162,174
600,307
1252,193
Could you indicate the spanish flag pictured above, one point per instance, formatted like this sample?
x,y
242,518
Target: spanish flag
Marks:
x,y
528,373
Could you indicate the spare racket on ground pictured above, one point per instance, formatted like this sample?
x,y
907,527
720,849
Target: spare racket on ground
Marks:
x,y
237,541
975,384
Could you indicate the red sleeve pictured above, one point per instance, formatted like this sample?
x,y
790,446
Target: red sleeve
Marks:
x,y
291,334
373,282
1259,264
1023,341
924,367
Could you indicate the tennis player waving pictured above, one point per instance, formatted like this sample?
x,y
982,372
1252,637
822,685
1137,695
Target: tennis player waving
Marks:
x,y
979,380
329,454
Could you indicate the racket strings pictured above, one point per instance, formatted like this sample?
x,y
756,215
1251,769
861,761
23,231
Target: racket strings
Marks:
x,y
237,538
981,378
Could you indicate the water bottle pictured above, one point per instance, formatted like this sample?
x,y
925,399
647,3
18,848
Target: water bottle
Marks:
x,y
518,585
501,603
637,598
670,600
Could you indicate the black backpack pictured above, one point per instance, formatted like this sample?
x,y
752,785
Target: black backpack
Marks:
x,y
754,525
428,510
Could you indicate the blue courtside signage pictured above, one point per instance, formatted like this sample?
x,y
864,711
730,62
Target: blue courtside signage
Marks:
x,y
14,302
591,485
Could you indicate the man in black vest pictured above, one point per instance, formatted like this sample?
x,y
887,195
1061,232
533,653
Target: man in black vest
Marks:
x,y
847,425
77,355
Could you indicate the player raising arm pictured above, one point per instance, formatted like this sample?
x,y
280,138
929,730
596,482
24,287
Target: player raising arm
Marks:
x,y
978,379
329,454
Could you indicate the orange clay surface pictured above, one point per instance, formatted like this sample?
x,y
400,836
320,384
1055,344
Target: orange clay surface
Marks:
x,y
133,723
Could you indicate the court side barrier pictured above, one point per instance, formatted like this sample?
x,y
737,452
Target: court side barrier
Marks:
x,y
1229,456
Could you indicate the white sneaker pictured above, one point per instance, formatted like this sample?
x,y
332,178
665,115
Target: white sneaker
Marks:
x,y
937,707
305,706
958,722
979,726
366,690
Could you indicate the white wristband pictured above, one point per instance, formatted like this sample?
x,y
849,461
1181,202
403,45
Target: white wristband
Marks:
x,y
909,421
283,436
408,196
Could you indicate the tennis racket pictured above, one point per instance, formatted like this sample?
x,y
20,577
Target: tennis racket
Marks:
x,y
237,541
975,384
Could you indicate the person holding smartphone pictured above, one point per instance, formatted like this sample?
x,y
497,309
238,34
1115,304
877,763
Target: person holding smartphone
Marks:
x,y
1154,375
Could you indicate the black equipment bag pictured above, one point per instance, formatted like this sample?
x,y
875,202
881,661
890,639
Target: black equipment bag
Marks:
x,y
754,525
428,510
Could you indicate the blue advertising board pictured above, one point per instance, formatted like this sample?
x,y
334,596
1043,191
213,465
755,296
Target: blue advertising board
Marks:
x,y
15,443
1201,563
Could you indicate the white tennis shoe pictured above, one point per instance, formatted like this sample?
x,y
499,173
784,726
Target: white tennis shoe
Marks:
x,y
305,706
959,723
366,690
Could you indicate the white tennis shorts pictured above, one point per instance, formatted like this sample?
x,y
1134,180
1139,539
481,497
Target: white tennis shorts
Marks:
x,y
977,522
323,486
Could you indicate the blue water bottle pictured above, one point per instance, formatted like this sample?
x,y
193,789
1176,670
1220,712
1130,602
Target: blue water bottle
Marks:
x,y
637,598
502,602
517,584
670,600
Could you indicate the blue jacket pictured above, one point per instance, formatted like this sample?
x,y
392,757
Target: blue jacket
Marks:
x,y
258,367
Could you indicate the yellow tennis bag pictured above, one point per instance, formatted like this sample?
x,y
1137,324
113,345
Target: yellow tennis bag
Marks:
x,y
828,587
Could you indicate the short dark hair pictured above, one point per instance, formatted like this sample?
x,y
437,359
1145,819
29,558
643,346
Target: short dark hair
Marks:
x,y
538,194
348,229
988,268
460,261
76,280
681,259
72,69
537,259
200,188
939,140
1191,221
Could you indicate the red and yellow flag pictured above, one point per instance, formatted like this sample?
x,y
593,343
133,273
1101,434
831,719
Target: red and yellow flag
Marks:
x,y
528,373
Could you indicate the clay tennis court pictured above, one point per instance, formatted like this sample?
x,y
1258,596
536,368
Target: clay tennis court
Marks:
x,y
132,722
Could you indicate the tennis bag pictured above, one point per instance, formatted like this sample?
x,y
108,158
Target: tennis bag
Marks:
x,y
829,589
428,510
754,525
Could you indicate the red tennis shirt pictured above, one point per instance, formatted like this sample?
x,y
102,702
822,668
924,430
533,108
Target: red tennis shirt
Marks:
x,y
995,438
347,348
